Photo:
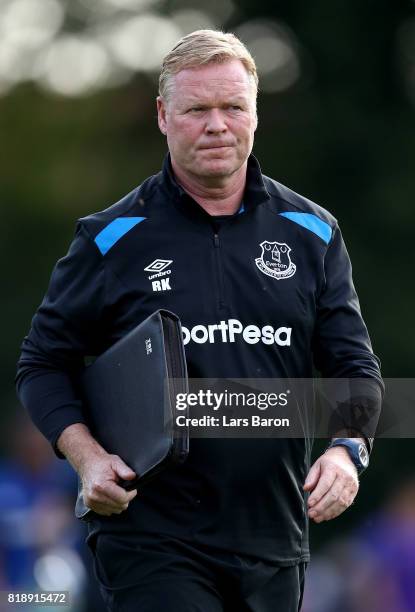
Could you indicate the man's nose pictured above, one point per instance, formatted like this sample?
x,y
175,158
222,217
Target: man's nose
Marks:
x,y
215,121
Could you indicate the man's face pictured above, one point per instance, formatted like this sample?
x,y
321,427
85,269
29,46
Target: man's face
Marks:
x,y
209,119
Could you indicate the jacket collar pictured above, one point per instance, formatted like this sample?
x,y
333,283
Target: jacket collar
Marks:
x,y
255,190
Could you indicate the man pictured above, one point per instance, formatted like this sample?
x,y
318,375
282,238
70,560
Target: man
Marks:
x,y
226,531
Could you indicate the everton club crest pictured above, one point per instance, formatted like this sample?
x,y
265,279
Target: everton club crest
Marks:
x,y
275,260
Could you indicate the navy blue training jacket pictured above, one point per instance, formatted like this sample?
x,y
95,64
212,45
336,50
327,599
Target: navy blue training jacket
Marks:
x,y
265,293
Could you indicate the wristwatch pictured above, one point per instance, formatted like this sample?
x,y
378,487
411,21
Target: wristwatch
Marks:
x,y
357,450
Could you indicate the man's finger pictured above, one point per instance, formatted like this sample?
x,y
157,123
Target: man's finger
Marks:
x,y
332,501
98,501
327,477
122,470
110,492
118,494
103,502
313,476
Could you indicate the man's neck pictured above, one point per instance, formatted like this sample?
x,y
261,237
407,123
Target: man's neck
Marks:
x,y
219,196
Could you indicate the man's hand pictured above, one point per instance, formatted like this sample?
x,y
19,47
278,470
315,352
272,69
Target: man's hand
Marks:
x,y
334,484
100,490
99,471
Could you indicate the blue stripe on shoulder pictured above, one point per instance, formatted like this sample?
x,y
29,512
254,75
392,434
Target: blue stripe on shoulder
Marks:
x,y
115,230
312,223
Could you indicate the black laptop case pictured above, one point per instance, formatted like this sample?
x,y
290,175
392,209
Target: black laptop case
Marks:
x,y
129,399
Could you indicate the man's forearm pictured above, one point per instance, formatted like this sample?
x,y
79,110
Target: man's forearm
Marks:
x,y
79,446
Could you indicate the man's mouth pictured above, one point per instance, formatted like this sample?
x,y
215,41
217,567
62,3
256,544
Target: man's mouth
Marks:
x,y
210,147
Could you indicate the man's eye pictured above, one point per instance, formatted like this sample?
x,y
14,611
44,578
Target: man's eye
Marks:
x,y
235,107
196,109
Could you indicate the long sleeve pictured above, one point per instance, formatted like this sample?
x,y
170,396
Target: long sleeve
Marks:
x,y
341,344
65,328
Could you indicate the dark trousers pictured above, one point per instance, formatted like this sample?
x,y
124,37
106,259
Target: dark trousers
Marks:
x,y
168,575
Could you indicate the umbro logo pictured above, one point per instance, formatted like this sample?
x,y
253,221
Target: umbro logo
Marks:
x,y
158,265
158,271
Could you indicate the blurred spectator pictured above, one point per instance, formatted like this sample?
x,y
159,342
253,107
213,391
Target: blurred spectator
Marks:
x,y
41,544
372,570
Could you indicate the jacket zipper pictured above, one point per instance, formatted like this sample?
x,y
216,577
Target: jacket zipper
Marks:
x,y
219,272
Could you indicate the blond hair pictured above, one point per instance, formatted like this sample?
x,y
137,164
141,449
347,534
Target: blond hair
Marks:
x,y
205,47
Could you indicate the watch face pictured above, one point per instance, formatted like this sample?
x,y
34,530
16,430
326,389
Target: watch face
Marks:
x,y
363,455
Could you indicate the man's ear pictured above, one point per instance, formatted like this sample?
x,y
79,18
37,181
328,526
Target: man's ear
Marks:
x,y
161,114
